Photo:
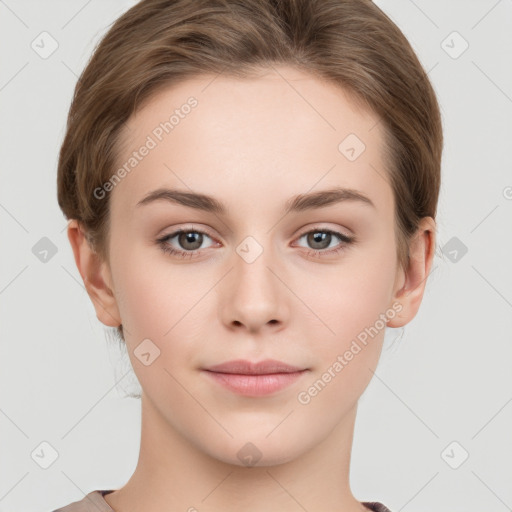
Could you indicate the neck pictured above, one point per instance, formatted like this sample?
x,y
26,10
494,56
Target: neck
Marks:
x,y
174,474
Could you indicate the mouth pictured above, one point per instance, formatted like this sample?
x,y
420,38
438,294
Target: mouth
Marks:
x,y
255,379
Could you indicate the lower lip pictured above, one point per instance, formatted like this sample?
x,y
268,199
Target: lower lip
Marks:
x,y
255,385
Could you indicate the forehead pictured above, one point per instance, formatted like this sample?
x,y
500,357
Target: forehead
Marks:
x,y
284,130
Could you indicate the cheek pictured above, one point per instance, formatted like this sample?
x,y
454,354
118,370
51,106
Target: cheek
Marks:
x,y
155,296
162,307
348,351
169,305
351,305
352,296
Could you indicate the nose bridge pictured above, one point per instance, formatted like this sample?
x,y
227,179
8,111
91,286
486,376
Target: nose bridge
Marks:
x,y
255,295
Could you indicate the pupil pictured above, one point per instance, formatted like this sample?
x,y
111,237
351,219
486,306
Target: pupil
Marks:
x,y
318,237
191,237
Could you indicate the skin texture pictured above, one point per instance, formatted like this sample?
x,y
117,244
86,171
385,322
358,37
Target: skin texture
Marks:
x,y
252,144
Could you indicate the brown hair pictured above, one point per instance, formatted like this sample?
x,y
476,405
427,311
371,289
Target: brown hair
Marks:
x,y
156,43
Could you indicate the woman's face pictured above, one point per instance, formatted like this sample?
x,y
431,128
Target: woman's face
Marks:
x,y
265,268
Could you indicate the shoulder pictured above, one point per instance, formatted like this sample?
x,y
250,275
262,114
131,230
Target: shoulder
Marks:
x,y
375,506
92,502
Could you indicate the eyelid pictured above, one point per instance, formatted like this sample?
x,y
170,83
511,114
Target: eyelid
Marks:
x,y
194,228
187,229
345,240
320,227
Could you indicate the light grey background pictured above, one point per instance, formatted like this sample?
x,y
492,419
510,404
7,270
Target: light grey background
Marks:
x,y
448,378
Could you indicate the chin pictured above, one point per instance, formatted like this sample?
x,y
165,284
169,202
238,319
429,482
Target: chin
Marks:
x,y
257,451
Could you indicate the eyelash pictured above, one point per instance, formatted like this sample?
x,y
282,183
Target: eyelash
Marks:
x,y
166,248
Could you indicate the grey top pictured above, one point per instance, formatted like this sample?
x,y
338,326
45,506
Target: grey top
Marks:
x,y
94,502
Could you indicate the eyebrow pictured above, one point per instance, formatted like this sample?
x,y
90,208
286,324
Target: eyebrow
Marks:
x,y
299,203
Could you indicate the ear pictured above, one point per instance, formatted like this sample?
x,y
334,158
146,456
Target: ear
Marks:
x,y
411,281
96,276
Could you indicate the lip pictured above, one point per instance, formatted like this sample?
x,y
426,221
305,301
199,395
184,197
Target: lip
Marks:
x,y
255,379
243,367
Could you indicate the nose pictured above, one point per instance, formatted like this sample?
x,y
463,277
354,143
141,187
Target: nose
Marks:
x,y
253,297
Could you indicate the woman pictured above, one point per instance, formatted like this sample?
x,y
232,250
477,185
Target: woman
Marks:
x,y
252,189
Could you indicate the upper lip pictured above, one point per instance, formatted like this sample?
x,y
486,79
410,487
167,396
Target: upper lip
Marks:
x,y
243,367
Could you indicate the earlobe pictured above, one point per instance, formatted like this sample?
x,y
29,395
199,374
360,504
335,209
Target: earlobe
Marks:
x,y
410,292
95,275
